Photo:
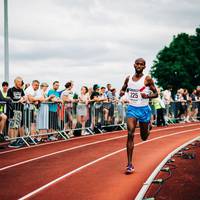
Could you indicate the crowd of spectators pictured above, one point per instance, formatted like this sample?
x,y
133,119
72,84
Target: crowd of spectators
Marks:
x,y
38,109
180,107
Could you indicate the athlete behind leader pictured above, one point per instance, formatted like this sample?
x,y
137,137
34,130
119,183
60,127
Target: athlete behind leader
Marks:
x,y
140,89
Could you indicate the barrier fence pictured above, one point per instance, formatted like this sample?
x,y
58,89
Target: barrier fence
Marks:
x,y
61,121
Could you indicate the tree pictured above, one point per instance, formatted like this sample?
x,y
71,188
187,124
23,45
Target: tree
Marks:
x,y
178,65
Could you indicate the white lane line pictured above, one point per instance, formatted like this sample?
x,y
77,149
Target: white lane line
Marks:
x,y
150,179
61,151
80,138
72,148
95,161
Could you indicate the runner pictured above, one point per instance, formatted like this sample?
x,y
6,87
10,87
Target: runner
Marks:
x,y
138,88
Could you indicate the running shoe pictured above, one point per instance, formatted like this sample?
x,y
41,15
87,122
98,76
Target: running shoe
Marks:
x,y
2,139
129,169
15,144
85,133
52,138
20,142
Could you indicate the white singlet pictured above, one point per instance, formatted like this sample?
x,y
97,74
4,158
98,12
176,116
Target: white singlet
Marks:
x,y
134,90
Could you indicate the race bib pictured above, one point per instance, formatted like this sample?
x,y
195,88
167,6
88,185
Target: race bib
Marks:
x,y
134,95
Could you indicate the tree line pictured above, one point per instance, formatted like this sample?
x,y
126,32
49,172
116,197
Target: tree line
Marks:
x,y
178,65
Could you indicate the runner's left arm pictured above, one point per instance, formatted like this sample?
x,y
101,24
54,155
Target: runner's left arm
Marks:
x,y
149,82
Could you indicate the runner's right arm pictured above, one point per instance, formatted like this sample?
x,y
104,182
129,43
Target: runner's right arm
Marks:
x,y
124,87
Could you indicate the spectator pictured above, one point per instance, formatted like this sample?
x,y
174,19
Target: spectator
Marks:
x,y
194,107
16,115
90,91
4,89
43,113
114,98
53,109
122,108
32,93
167,99
104,98
185,104
110,105
4,94
67,97
82,109
109,86
27,85
179,102
198,101
159,107
102,93
3,117
96,106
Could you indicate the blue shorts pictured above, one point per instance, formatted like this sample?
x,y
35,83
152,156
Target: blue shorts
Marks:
x,y
142,114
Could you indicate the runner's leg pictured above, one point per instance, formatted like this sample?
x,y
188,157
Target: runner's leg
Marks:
x,y
131,124
144,130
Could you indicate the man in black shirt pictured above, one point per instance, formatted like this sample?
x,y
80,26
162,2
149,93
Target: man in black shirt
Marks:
x,y
17,95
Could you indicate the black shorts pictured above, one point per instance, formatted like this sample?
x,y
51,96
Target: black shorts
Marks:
x,y
53,120
194,105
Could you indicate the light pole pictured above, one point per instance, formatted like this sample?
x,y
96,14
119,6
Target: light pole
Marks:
x,y
6,45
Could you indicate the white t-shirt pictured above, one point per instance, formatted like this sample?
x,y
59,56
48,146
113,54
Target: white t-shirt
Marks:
x,y
70,95
84,98
32,92
167,96
67,93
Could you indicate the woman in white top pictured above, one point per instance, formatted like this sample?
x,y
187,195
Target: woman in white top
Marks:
x,y
82,107
67,97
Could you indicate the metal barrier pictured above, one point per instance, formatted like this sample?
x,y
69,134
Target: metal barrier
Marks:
x,y
108,115
33,122
61,120
181,111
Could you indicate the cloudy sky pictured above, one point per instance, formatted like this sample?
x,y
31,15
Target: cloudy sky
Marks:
x,y
90,41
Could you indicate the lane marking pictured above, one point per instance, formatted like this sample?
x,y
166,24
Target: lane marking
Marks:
x,y
150,179
95,161
80,138
70,149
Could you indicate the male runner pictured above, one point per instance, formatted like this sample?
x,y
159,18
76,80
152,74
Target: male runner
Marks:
x,y
138,88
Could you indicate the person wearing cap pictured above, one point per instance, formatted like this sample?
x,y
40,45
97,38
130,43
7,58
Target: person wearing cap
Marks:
x,y
138,87
96,105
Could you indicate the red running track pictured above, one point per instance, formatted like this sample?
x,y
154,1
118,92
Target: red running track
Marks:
x,y
89,167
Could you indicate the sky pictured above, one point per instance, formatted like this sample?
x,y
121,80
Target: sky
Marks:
x,y
90,41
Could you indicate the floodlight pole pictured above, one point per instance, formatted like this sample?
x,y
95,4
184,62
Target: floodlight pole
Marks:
x,y
6,45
